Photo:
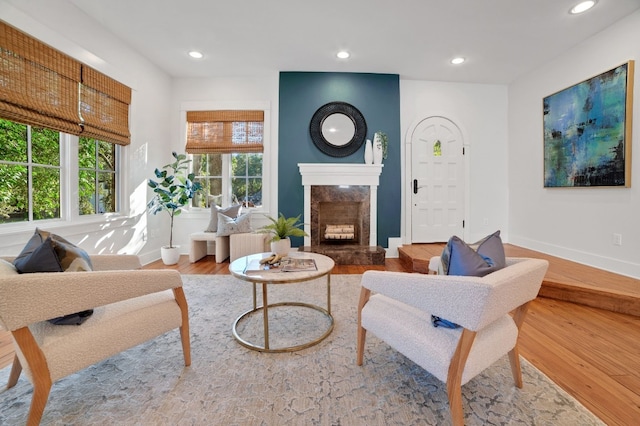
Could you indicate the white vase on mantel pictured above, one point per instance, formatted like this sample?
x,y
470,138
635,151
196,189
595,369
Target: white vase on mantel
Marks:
x,y
368,152
377,149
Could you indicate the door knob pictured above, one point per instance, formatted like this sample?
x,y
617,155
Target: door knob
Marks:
x,y
415,186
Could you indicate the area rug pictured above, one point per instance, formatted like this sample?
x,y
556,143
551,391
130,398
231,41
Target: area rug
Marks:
x,y
228,384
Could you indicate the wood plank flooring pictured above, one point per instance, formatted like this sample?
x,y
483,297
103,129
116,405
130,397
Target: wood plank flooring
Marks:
x,y
593,354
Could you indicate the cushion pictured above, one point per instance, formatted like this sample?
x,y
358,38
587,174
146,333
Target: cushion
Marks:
x,y
228,226
55,255
232,212
477,259
40,258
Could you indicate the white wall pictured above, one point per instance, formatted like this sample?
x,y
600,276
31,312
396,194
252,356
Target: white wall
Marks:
x,y
480,111
65,28
573,223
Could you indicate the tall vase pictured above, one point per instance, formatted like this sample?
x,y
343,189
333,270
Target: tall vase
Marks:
x,y
377,149
368,152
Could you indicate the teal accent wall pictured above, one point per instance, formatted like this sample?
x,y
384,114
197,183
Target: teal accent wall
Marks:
x,y
377,96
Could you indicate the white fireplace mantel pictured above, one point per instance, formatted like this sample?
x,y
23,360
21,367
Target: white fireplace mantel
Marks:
x,y
335,174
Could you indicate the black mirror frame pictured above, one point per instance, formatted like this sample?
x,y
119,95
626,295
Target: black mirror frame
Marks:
x,y
359,134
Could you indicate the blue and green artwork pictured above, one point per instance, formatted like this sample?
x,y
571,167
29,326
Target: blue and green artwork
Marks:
x,y
585,132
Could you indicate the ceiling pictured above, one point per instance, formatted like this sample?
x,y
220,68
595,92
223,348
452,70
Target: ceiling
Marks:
x,y
416,39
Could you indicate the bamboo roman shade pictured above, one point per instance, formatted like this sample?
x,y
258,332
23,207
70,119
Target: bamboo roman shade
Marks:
x,y
224,131
43,87
104,107
38,85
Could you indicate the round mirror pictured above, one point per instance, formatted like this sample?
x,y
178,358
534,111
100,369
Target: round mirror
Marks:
x,y
338,129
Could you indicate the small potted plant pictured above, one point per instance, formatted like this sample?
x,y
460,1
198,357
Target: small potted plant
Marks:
x,y
173,189
281,229
380,146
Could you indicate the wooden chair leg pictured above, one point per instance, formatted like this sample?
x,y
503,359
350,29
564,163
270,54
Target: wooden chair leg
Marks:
x,y
454,376
41,391
516,371
16,369
40,375
519,315
365,293
184,328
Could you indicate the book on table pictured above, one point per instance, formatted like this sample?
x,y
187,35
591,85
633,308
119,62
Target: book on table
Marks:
x,y
287,264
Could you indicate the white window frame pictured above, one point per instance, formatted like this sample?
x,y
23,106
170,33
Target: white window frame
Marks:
x,y
69,209
268,154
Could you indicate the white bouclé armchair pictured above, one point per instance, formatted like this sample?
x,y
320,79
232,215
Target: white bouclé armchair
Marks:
x,y
397,308
131,306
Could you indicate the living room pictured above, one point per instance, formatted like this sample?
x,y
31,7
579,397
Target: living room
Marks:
x,y
501,124
572,224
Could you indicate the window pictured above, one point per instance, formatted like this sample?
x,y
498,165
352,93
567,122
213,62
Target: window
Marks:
x,y
228,179
96,176
29,173
32,178
226,148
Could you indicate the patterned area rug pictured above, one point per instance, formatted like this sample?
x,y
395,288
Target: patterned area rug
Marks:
x,y
228,384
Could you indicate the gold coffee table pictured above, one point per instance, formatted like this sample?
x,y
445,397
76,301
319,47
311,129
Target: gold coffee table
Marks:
x,y
238,267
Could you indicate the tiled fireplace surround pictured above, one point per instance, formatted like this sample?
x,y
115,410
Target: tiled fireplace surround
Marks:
x,y
342,194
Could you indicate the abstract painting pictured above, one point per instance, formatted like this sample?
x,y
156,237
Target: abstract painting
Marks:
x,y
587,132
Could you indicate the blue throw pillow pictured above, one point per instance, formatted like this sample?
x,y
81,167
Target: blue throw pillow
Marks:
x,y
472,260
477,259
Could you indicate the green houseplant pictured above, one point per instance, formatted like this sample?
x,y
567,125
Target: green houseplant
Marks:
x,y
281,229
173,189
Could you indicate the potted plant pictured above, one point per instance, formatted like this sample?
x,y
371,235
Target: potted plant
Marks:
x,y
380,146
173,189
281,229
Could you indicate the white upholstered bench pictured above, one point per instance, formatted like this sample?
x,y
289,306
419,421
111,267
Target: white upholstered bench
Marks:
x,y
199,243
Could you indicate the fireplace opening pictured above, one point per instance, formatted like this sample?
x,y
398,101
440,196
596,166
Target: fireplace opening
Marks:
x,y
340,222
340,215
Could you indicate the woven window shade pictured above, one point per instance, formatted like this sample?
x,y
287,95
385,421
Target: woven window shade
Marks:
x,y
104,107
224,131
38,84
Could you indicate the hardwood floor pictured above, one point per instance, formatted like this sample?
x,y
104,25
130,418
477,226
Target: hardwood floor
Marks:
x,y
593,354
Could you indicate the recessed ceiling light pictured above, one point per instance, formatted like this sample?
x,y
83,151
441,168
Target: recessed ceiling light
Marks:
x,y
195,54
343,54
458,60
582,7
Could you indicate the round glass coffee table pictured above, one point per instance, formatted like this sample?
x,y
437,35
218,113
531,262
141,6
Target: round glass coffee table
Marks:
x,y
245,269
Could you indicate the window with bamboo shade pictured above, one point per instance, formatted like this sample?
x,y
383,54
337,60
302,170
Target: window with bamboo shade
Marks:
x,y
43,87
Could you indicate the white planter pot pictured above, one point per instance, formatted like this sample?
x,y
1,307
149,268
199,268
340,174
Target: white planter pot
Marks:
x,y
170,255
281,247
377,149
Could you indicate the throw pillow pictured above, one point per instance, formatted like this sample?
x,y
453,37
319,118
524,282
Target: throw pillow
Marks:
x,y
476,260
228,225
41,258
233,212
55,256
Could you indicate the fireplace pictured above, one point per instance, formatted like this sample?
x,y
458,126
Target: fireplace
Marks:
x,y
340,211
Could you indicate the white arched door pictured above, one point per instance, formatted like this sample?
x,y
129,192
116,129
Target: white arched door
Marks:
x,y
437,181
